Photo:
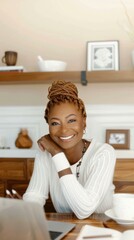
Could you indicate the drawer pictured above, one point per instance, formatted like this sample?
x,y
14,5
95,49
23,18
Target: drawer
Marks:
x,y
13,169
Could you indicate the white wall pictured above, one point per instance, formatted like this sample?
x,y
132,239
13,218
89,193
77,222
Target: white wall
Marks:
x,y
99,118
60,29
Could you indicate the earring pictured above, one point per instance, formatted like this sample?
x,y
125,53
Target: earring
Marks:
x,y
84,131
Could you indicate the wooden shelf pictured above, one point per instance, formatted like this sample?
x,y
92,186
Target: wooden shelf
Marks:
x,y
110,76
74,76
37,77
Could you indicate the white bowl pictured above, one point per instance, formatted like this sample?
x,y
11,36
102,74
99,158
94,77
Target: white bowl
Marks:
x,y
51,65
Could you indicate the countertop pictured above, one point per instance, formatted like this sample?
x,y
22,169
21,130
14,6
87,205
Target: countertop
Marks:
x,y
30,153
17,153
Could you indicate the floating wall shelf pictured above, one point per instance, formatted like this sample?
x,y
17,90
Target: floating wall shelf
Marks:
x,y
73,76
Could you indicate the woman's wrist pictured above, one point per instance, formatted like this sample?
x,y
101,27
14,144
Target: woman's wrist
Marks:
x,y
60,161
55,152
64,172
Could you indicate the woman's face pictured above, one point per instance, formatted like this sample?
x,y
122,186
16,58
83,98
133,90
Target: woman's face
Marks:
x,y
66,124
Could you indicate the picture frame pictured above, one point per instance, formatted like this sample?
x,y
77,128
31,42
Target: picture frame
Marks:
x,y
118,138
103,55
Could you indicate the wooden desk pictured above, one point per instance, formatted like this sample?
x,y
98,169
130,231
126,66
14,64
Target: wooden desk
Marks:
x,y
68,217
99,220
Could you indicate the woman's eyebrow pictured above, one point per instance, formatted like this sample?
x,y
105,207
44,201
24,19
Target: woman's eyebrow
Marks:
x,y
54,118
70,115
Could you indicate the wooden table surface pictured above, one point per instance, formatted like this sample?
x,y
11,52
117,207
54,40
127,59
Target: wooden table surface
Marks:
x,y
99,220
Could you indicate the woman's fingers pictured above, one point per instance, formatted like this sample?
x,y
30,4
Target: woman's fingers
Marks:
x,y
16,194
8,194
41,144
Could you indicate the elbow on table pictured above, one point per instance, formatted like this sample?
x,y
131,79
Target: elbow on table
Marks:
x,y
83,215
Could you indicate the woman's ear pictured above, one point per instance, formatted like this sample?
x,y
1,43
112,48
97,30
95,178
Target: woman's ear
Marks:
x,y
84,123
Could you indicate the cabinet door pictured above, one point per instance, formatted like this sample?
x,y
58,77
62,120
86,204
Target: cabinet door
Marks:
x,y
30,165
13,169
124,175
2,188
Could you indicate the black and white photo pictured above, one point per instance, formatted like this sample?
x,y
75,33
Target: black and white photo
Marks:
x,y
102,55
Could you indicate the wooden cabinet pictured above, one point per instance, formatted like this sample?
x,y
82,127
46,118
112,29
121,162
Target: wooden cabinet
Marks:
x,y
30,165
2,188
15,173
124,175
13,169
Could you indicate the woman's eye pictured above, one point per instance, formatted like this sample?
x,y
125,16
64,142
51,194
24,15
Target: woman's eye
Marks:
x,y
72,120
54,123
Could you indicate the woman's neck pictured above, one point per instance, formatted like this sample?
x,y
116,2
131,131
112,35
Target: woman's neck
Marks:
x,y
75,154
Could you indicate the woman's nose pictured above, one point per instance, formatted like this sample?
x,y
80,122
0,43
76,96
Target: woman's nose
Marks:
x,y
64,128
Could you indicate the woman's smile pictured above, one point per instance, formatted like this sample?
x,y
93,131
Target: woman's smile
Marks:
x,y
66,137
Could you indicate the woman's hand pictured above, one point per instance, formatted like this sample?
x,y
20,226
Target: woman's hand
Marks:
x,y
14,194
46,143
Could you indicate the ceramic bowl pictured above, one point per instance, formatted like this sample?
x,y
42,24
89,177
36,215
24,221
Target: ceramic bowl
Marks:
x,y
51,65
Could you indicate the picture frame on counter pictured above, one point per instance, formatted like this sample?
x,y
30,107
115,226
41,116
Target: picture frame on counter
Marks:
x,y
118,138
102,55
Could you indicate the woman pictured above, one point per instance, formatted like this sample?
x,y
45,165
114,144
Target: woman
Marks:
x,y
77,172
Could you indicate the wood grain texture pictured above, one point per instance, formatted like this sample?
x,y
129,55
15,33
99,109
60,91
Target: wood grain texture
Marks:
x,y
98,220
73,76
16,174
13,169
124,175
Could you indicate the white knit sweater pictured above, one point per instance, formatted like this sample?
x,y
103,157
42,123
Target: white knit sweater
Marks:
x,y
91,193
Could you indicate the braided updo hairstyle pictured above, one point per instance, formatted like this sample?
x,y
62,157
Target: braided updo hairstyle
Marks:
x,y
61,91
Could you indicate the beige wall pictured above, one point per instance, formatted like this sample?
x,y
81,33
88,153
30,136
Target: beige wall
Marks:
x,y
60,29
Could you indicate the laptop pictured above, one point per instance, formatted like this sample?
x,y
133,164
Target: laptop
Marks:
x,y
20,220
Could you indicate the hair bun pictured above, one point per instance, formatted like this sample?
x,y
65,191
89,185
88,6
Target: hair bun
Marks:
x,y
62,88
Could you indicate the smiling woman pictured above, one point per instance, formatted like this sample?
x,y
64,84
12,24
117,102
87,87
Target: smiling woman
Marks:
x,y
76,172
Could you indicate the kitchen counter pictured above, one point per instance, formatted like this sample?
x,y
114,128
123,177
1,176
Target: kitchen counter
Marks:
x,y
125,154
17,153
30,153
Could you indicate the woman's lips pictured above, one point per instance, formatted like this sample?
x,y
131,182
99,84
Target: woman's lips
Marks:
x,y
67,137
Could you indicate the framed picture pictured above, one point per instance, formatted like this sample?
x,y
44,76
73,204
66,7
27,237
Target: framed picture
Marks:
x,y
102,55
118,138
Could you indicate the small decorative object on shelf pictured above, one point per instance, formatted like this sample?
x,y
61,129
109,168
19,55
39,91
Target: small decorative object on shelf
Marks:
x,y
11,68
10,58
103,55
23,140
51,65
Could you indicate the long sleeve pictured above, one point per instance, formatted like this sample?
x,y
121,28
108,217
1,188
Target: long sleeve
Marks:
x,y
38,188
92,192
97,176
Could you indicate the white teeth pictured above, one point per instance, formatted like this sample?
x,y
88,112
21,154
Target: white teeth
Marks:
x,y
66,138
